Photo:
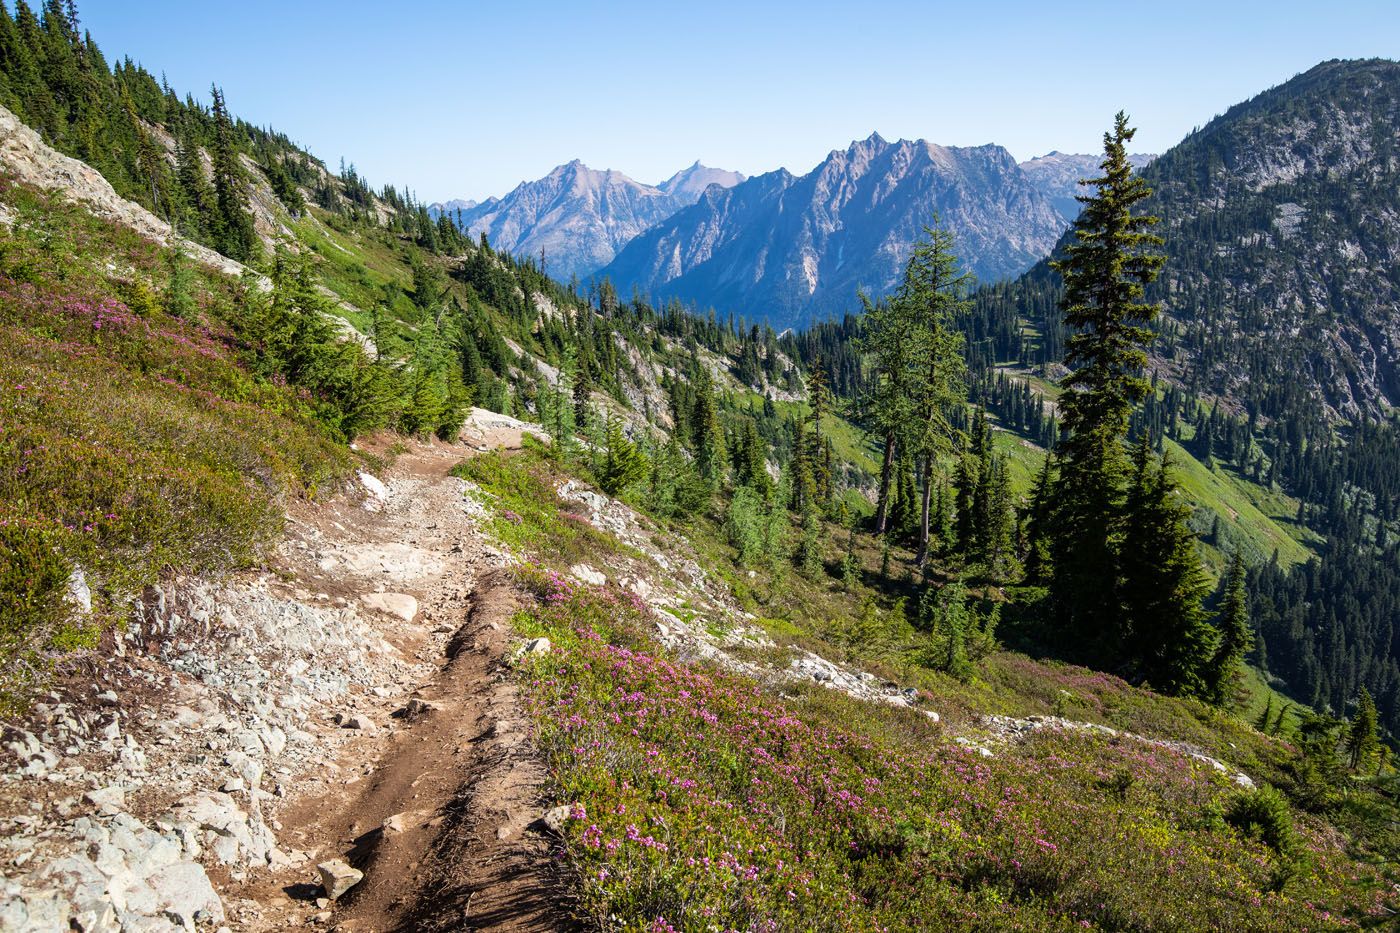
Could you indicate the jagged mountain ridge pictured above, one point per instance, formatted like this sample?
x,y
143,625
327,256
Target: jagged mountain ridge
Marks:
x,y
1057,175
579,217
793,249
1304,180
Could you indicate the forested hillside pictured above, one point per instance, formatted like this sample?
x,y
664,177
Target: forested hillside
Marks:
x,y
1274,356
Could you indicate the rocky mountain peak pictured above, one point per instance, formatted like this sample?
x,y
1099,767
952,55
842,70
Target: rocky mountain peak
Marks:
x,y
796,248
688,184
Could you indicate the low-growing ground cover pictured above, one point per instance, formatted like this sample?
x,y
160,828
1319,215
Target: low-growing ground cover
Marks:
x,y
526,513
134,439
703,801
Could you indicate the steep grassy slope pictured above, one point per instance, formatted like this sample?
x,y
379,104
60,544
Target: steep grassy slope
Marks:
x,y
133,439
711,789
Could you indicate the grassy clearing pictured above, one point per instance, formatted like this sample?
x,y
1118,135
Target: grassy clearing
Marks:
x,y
1243,521
358,267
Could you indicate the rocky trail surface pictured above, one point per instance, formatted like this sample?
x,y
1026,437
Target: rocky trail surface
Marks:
x,y
332,743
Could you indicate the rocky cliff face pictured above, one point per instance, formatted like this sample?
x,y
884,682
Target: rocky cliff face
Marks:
x,y
30,160
1057,175
793,249
579,217
1282,221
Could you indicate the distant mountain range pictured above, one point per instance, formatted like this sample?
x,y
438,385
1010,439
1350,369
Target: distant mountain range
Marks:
x,y
1057,175
577,218
785,248
791,249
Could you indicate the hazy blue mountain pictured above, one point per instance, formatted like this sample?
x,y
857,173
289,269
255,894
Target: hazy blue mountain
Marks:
x,y
579,217
791,249
688,184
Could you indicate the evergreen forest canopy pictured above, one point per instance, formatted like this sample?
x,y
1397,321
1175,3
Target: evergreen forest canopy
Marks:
x,y
1100,563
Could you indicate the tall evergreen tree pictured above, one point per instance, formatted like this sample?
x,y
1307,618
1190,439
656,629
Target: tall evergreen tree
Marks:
x,y
1038,524
1361,741
708,435
888,402
1105,270
932,293
233,233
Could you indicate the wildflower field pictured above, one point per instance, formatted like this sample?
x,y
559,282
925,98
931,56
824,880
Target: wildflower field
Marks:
x,y
704,801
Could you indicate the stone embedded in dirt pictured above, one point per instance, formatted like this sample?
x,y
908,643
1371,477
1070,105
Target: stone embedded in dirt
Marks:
x,y
556,818
376,493
419,707
586,574
337,877
539,645
400,605
107,799
400,822
358,721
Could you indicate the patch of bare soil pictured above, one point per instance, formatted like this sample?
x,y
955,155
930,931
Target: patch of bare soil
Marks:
x,y
440,810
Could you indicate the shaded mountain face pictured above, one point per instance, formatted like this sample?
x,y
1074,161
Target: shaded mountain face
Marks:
x,y
578,217
1282,221
791,250
1057,175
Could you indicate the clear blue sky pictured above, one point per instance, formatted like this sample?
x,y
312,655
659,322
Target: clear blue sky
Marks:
x,y
467,99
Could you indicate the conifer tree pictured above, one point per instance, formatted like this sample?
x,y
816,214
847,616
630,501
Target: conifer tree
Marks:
x,y
998,531
582,385
1170,642
888,403
197,196
932,294
818,458
966,480
1236,637
1105,268
1361,742
623,464
1038,518
233,232
808,555
1262,723
708,435
904,510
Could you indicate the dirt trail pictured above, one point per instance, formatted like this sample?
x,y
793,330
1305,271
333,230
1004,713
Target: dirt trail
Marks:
x,y
444,819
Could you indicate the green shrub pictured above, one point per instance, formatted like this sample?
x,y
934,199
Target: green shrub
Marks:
x,y
33,576
1263,814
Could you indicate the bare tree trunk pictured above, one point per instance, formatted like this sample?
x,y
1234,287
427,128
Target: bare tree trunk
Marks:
x,y
924,512
886,469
